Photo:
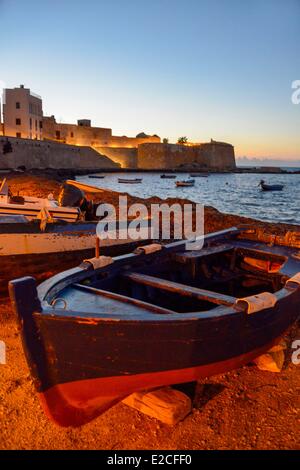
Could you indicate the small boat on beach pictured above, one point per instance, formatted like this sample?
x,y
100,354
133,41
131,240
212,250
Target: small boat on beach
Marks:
x,y
85,187
168,176
33,207
270,187
25,249
41,239
185,183
157,316
130,180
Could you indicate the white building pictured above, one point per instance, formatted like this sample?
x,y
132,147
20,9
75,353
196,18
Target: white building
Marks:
x,y
22,113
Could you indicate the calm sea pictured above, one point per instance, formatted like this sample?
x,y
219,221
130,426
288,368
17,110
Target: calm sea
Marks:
x,y
229,193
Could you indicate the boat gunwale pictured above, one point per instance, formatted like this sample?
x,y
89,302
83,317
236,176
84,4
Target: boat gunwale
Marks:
x,y
214,314
50,288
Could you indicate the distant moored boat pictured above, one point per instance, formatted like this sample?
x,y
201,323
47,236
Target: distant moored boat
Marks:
x,y
185,183
271,187
168,176
129,180
199,175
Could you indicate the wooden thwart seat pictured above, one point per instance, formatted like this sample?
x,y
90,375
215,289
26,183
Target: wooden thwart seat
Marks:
x,y
182,289
194,255
124,299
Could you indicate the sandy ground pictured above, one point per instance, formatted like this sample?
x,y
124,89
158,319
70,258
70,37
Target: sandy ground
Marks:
x,y
244,409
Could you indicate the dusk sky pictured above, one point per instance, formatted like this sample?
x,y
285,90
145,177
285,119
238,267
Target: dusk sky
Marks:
x,y
220,69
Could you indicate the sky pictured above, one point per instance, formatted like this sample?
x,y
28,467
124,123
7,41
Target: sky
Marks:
x,y
220,69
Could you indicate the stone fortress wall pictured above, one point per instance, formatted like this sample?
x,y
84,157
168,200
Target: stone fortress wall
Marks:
x,y
214,156
124,156
39,142
39,154
218,156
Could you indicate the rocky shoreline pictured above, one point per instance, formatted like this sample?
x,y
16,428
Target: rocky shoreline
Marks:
x,y
61,174
243,409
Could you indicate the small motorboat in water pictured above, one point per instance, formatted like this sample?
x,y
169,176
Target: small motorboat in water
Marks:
x,y
270,187
168,176
97,176
160,315
130,180
185,183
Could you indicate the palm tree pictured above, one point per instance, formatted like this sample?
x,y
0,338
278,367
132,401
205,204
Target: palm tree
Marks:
x,y
182,140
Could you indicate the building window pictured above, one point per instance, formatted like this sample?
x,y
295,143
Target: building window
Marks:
x,y
18,105
18,135
18,122
72,135
30,123
41,124
57,133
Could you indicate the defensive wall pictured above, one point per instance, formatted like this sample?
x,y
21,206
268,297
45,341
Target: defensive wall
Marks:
x,y
213,155
39,154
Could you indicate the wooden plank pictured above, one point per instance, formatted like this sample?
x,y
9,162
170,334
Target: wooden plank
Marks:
x,y
182,289
165,404
197,254
123,298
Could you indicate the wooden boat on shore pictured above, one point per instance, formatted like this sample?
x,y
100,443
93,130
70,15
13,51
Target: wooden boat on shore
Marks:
x,y
185,183
42,236
160,315
168,176
271,187
25,249
130,180
33,207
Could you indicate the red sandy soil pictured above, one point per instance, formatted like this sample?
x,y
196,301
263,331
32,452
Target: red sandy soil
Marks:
x,y
243,409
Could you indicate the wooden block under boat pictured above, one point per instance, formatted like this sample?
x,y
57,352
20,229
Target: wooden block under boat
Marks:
x,y
273,360
165,404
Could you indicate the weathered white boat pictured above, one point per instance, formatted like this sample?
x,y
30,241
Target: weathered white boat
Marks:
x,y
41,237
25,248
34,207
